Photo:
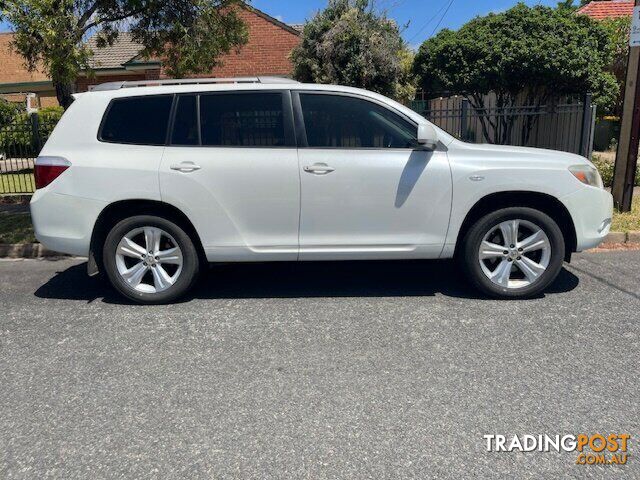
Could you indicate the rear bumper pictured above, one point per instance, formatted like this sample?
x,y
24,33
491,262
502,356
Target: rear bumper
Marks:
x,y
591,210
64,223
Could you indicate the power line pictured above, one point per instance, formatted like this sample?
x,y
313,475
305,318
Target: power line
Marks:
x,y
442,18
428,22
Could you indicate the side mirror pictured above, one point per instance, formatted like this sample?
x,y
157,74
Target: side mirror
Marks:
x,y
427,136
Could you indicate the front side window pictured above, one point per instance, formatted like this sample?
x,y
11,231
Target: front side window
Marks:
x,y
337,121
242,120
137,120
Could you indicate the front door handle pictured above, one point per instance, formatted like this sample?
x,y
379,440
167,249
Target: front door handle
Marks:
x,y
185,167
318,169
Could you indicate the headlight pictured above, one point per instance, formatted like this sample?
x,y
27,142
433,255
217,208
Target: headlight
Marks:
x,y
587,175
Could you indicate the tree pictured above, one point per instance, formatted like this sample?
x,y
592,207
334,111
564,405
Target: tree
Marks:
x,y
349,43
572,4
619,30
189,35
522,56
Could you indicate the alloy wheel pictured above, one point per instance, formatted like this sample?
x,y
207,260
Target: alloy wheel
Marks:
x,y
515,253
149,260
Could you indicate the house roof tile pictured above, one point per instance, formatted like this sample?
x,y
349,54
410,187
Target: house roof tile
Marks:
x,y
123,50
600,10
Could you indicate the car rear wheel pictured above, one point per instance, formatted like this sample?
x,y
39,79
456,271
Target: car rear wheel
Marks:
x,y
150,259
513,252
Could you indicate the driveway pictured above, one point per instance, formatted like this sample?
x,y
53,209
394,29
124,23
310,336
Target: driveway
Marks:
x,y
319,370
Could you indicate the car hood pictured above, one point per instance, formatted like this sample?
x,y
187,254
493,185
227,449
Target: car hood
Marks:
x,y
520,154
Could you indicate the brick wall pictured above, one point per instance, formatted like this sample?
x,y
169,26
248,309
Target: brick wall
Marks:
x,y
266,52
47,99
12,65
44,98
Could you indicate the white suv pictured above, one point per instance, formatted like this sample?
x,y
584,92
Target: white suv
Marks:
x,y
153,181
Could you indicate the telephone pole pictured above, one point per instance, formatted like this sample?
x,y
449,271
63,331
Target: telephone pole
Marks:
x,y
627,154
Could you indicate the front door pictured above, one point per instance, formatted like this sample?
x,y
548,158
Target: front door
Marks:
x,y
231,165
367,190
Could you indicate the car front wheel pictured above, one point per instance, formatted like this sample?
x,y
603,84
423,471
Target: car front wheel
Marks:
x,y
150,259
513,252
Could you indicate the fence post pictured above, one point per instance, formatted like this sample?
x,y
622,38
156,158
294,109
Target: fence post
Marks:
x,y
586,126
464,119
36,141
592,132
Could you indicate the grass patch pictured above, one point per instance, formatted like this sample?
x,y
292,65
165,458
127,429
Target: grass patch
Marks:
x,y
16,228
17,183
629,221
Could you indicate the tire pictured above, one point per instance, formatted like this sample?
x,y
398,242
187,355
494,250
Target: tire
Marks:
x,y
515,263
169,272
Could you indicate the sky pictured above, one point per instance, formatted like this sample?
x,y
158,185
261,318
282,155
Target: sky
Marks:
x,y
422,18
419,19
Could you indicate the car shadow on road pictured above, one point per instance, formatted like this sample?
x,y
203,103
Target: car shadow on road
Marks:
x,y
301,280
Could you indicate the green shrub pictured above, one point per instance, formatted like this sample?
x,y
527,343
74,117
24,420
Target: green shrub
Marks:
x,y
16,137
8,111
49,117
606,168
50,114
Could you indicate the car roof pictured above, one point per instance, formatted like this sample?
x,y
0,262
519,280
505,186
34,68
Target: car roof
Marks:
x,y
134,89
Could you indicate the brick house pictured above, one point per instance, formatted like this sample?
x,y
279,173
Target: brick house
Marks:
x,y
266,53
599,10
16,80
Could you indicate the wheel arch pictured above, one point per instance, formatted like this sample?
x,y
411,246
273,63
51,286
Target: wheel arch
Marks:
x,y
117,211
546,203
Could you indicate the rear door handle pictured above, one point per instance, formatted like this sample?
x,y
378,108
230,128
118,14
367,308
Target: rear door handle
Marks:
x,y
318,169
185,167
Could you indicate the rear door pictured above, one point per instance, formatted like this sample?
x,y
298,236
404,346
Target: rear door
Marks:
x,y
231,165
368,190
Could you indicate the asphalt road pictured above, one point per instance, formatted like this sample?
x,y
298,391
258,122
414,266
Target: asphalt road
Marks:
x,y
322,370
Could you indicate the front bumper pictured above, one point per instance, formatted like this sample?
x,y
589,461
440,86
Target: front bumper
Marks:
x,y
64,223
591,210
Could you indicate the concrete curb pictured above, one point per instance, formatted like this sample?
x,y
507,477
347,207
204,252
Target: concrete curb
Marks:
x,y
27,250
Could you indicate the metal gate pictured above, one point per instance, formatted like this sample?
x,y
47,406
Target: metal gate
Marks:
x,y
20,142
566,125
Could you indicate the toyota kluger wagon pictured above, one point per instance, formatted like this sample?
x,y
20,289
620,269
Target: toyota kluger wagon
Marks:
x,y
152,181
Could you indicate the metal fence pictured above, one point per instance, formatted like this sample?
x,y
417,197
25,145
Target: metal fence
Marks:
x,y
20,142
566,124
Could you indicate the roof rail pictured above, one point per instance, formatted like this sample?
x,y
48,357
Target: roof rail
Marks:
x,y
189,81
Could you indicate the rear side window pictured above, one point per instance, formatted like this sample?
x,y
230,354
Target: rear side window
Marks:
x,y
338,121
137,120
185,123
242,120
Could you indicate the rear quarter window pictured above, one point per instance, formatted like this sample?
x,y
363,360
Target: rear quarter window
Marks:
x,y
137,120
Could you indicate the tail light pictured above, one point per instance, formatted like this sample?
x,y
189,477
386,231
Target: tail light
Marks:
x,y
47,169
